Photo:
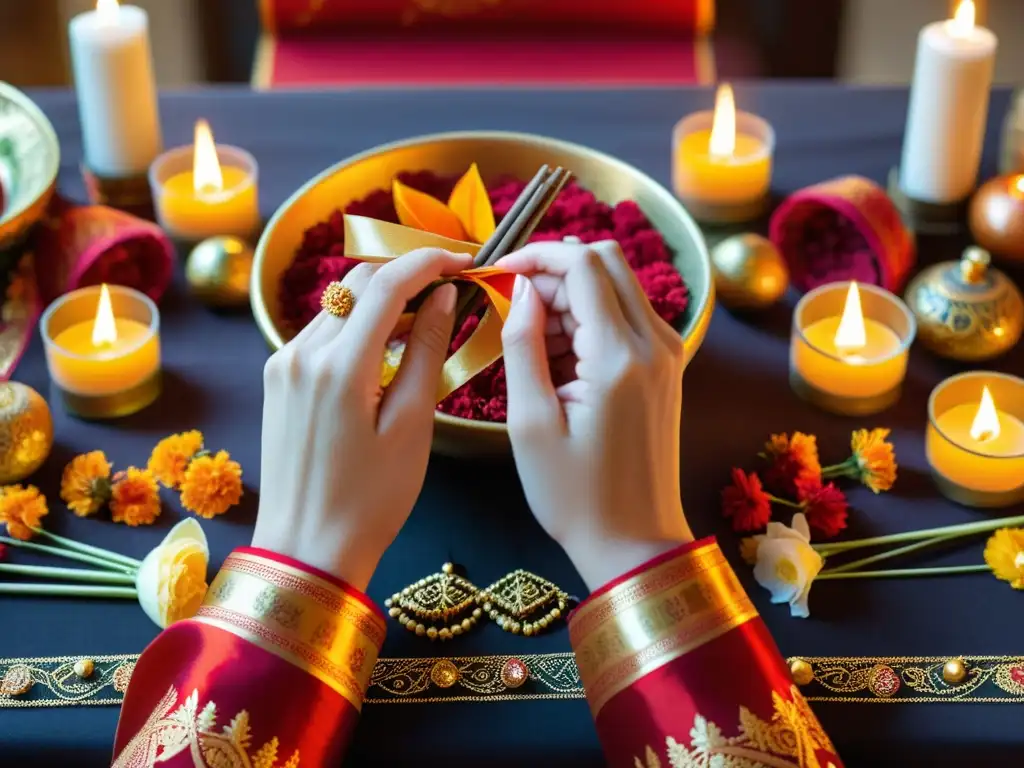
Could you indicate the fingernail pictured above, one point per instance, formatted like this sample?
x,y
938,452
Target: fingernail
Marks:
x,y
447,298
519,288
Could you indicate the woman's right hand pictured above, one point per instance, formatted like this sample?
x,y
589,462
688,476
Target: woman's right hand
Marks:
x,y
596,444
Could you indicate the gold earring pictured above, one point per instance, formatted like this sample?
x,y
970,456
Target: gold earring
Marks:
x,y
441,606
523,601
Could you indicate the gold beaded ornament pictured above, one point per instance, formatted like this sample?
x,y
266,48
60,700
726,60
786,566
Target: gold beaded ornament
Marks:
x,y
337,299
442,605
445,605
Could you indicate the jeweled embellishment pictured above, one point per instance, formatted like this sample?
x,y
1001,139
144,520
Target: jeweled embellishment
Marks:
x,y
523,602
514,673
801,671
84,668
883,682
444,674
441,605
16,681
954,671
123,676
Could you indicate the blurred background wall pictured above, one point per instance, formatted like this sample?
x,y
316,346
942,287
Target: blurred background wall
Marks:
x,y
197,41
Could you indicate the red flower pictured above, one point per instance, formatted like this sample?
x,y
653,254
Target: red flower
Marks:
x,y
794,460
745,502
824,505
3,552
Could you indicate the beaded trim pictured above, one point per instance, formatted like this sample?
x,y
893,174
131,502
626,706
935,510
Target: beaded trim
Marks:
x,y
910,679
52,681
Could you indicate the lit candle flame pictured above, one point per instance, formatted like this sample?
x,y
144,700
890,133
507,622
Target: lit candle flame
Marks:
x,y
851,333
723,124
1018,184
985,426
963,19
107,10
104,330
206,175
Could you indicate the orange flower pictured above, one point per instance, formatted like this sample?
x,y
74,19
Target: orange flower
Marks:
x,y
749,547
135,498
467,215
85,485
873,462
171,457
212,485
793,460
22,509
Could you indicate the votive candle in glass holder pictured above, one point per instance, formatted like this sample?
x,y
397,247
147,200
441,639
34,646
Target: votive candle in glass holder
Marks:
x,y
103,350
722,163
205,190
849,346
975,439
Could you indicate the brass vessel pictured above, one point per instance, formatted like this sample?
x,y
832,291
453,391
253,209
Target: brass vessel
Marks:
x,y
966,310
498,154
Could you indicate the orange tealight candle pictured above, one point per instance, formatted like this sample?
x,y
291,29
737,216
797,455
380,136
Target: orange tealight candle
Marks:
x,y
722,162
205,190
103,350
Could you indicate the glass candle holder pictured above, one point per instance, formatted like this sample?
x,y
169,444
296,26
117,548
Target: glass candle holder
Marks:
x,y
192,215
854,382
108,379
986,468
723,189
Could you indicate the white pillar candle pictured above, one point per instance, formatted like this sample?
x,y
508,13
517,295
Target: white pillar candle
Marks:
x,y
117,102
948,109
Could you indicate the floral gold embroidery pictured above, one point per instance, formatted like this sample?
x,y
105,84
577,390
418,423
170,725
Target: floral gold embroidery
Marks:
x,y
792,739
169,732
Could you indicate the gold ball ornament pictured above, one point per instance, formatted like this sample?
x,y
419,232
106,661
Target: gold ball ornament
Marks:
x,y
26,431
966,310
802,672
750,273
218,271
954,671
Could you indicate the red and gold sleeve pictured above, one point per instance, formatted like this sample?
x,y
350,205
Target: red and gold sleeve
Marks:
x,y
271,672
680,670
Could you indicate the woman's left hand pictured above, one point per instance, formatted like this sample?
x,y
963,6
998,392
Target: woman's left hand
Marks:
x,y
343,463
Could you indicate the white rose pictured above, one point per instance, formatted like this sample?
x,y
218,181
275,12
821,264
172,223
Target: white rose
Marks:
x,y
787,565
172,579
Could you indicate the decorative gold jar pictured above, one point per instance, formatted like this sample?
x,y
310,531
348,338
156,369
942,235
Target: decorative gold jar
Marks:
x,y
498,154
966,310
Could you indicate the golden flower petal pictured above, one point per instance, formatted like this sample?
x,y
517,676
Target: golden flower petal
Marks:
x,y
471,204
421,211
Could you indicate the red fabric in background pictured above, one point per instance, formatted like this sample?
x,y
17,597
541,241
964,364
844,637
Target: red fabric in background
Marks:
x,y
281,16
319,61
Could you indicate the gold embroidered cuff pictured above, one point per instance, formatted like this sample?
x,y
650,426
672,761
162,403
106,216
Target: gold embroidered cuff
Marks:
x,y
299,617
653,618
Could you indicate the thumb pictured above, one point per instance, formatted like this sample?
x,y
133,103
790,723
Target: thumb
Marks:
x,y
532,402
415,383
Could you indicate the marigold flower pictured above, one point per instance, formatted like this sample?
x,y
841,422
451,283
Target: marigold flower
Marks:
x,y
873,462
135,498
825,507
22,509
748,548
212,485
171,457
745,502
1004,554
793,459
85,485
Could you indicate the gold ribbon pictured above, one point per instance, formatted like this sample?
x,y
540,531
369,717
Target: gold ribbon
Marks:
x,y
376,241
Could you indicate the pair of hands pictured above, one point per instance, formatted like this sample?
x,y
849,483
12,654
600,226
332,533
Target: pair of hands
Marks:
x,y
594,397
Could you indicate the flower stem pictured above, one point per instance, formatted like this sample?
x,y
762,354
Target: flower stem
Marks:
x,y
106,554
907,572
785,502
70,554
68,590
846,567
950,531
68,574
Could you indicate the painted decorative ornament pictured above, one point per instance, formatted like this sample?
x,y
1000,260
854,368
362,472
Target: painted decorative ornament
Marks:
x,y
26,431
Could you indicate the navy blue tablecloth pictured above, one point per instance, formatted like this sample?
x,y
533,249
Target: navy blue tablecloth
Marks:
x,y
735,394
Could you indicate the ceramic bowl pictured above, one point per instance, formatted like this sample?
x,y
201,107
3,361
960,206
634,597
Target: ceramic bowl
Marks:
x,y
29,161
498,154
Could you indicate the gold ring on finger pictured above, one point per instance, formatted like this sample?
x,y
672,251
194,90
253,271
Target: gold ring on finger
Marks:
x,y
338,299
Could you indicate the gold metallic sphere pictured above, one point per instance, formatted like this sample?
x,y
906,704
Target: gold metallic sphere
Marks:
x,y
218,271
26,431
749,272
996,217
801,671
966,310
954,670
